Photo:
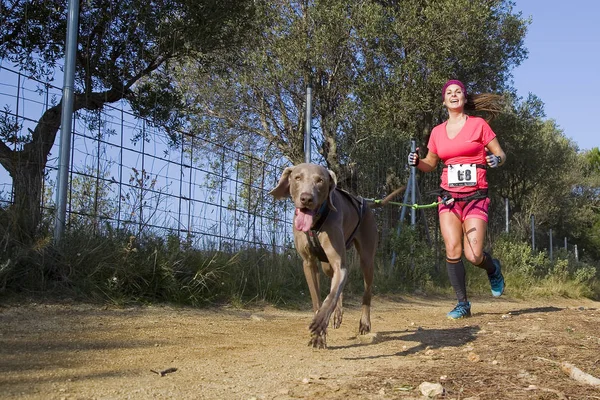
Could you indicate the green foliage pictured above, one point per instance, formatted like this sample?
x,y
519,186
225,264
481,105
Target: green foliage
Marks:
x,y
582,222
517,258
414,264
585,274
121,268
531,273
592,162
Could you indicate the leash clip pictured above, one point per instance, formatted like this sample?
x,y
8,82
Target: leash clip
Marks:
x,y
447,200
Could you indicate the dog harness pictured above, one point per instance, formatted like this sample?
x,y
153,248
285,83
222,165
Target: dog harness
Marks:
x,y
313,234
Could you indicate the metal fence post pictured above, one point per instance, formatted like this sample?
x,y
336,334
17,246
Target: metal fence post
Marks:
x,y
507,216
551,258
308,131
532,232
66,120
413,185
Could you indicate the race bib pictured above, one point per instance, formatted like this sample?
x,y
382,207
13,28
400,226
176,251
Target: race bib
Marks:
x,y
462,175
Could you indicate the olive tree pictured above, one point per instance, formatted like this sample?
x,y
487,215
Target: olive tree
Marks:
x,y
123,50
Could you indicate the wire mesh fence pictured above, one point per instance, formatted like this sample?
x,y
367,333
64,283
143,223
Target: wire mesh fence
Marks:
x,y
125,173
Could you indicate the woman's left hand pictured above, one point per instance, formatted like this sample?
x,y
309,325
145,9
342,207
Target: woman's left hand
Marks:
x,y
493,160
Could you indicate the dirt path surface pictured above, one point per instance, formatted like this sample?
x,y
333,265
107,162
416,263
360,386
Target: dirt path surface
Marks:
x,y
507,350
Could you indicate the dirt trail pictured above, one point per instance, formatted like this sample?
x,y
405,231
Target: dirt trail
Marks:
x,y
58,351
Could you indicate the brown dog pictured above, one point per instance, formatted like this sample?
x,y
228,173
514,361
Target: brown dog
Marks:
x,y
328,221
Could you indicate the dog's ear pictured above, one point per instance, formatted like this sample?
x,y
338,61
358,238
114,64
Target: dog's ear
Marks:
x,y
283,187
332,185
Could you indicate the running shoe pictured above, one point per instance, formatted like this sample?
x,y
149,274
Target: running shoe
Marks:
x,y
497,280
462,310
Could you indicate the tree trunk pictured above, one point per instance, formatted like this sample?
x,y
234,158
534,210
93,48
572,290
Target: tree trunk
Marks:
x,y
26,209
26,168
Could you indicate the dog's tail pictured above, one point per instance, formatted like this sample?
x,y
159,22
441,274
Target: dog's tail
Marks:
x,y
388,198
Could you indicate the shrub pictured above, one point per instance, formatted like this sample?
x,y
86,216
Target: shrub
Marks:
x,y
519,259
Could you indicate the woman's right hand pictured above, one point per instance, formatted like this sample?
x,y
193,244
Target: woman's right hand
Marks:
x,y
413,158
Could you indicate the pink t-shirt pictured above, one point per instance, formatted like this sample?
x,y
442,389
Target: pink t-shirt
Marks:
x,y
468,147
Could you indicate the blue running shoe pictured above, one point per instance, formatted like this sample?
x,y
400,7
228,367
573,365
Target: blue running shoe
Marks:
x,y
497,280
462,310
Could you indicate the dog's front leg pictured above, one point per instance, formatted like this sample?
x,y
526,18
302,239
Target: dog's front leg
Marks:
x,y
311,273
338,314
318,327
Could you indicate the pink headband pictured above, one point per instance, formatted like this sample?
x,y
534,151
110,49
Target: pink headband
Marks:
x,y
453,82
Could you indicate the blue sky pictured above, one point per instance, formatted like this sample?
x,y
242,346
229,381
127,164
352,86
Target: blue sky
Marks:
x,y
563,66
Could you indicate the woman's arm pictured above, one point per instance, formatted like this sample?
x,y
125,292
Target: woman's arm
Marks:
x,y
428,163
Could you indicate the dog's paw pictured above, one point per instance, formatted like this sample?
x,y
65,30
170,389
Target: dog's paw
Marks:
x,y
337,318
318,341
364,327
319,323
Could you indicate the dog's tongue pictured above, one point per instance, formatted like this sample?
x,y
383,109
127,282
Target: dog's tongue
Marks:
x,y
304,219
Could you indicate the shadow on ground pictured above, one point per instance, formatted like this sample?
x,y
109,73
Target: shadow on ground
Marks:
x,y
426,339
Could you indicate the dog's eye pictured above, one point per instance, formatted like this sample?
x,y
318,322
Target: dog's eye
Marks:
x,y
297,177
319,180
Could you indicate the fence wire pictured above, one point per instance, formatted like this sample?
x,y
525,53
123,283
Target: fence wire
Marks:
x,y
126,174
